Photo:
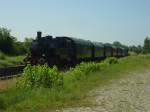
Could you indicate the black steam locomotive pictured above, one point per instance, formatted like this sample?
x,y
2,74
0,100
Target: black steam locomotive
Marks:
x,y
62,51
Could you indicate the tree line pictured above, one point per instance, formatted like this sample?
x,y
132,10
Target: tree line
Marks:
x,y
137,49
10,45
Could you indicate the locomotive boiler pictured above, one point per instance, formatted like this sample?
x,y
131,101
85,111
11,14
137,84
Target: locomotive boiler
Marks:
x,y
66,51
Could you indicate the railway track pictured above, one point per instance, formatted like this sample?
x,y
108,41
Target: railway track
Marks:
x,y
9,72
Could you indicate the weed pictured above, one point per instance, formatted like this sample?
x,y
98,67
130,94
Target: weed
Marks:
x,y
41,76
42,87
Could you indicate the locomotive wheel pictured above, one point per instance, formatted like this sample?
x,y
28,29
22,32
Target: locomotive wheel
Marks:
x,y
42,61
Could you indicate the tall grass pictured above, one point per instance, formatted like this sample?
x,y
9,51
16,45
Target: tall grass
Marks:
x,y
42,87
44,76
41,76
2,55
6,61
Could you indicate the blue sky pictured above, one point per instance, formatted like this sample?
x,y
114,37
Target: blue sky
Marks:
x,y
127,21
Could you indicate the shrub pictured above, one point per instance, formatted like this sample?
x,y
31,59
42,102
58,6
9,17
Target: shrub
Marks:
x,y
84,69
44,76
112,60
41,76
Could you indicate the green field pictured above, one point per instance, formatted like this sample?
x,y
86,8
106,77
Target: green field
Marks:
x,y
6,61
35,93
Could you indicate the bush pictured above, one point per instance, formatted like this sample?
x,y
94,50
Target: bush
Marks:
x,y
41,76
112,60
44,76
84,69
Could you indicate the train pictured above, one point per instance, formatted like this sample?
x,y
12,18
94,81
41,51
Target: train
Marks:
x,y
67,51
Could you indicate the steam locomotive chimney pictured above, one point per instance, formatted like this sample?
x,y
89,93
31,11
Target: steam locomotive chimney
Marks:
x,y
39,34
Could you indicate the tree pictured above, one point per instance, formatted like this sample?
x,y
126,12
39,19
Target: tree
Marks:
x,y
10,45
27,43
6,41
118,44
137,49
19,48
146,47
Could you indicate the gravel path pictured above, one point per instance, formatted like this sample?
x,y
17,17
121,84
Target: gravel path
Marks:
x,y
129,94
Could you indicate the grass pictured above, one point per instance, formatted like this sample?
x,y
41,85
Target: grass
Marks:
x,y
76,83
6,61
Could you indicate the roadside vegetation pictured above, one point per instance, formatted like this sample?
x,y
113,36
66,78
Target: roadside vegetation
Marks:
x,y
42,88
12,51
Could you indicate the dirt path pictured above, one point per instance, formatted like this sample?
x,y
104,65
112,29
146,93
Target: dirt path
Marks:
x,y
129,94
